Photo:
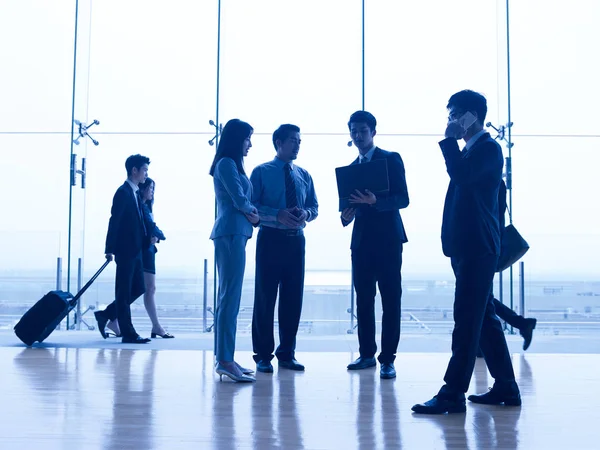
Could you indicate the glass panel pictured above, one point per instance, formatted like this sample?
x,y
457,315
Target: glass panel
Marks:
x,y
299,63
549,210
37,58
82,121
184,210
33,177
427,277
416,60
151,82
327,276
153,66
555,79
287,65
419,53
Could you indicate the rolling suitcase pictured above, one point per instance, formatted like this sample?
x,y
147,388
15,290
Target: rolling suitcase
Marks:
x,y
43,317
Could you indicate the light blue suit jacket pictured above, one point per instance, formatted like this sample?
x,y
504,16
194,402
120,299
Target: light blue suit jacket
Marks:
x,y
233,192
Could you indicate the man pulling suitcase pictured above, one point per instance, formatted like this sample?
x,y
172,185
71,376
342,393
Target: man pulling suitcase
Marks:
x,y
127,236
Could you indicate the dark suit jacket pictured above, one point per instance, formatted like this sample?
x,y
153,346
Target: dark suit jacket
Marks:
x,y
381,224
126,237
471,221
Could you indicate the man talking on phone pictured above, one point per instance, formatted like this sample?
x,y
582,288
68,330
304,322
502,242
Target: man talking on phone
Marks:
x,y
471,239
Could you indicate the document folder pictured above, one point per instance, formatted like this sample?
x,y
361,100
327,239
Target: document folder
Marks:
x,y
371,175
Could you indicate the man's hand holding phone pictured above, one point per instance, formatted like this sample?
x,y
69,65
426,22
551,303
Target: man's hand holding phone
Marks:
x,y
458,128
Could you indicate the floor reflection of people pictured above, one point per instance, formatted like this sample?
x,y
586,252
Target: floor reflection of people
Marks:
x,y
525,374
132,407
390,420
57,375
263,435
497,428
288,424
454,434
223,416
365,411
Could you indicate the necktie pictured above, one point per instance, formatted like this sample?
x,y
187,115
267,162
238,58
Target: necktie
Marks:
x,y
291,200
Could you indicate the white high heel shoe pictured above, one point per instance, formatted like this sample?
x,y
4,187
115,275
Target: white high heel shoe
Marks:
x,y
244,378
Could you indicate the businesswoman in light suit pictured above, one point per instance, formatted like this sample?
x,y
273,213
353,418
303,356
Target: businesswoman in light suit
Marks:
x,y
233,227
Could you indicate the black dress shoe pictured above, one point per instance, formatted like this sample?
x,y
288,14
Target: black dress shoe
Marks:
x,y
440,405
497,396
264,366
362,363
135,340
527,332
291,365
387,371
102,321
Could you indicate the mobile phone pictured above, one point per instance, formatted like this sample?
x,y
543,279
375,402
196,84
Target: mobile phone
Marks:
x,y
466,120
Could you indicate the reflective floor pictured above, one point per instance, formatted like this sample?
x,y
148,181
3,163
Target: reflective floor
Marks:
x,y
69,398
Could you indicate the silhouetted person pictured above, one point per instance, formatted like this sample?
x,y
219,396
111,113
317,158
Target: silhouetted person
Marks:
x,y
285,197
471,238
127,237
149,259
232,229
377,239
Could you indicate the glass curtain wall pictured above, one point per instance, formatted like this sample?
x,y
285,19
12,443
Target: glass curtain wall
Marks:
x,y
300,63
152,78
555,95
147,71
35,115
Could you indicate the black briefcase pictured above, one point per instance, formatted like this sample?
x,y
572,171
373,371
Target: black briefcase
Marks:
x,y
512,248
43,317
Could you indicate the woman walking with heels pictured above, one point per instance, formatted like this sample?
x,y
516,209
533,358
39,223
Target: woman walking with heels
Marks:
x,y
233,227
149,259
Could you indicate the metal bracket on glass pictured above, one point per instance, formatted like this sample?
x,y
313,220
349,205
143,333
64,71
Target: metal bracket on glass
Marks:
x,y
75,171
218,131
83,131
78,319
501,130
209,328
501,136
353,321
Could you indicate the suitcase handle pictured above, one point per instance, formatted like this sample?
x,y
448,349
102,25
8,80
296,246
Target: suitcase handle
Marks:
x,y
89,283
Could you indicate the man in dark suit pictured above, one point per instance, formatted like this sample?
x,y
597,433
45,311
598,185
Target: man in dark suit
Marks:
x,y
126,238
377,239
471,238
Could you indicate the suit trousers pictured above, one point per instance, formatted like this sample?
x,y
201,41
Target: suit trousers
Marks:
x,y
230,254
508,315
374,265
279,267
475,322
129,286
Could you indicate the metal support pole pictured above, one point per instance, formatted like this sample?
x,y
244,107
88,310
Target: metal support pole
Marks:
x,y
351,309
501,292
59,273
522,288
78,313
205,296
58,279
